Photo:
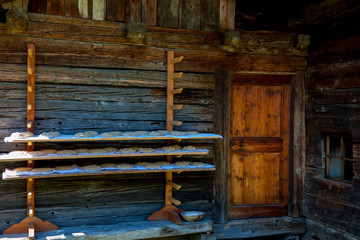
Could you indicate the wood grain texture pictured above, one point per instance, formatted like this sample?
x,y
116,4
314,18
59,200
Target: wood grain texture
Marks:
x,y
168,13
133,11
99,10
55,7
260,138
249,228
115,10
222,94
190,14
148,12
227,15
71,8
210,15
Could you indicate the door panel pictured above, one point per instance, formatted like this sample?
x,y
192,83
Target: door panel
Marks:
x,y
259,148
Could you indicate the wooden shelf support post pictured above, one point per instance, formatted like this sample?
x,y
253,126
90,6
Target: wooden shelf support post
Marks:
x,y
31,224
170,212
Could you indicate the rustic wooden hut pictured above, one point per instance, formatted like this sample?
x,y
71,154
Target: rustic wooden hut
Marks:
x,y
272,123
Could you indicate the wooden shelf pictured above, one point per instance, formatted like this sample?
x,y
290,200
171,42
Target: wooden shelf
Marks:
x,y
7,158
80,172
71,138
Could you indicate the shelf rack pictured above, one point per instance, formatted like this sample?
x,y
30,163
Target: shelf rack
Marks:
x,y
170,212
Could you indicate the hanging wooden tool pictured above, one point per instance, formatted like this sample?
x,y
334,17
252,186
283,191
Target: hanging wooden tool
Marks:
x,y
170,212
30,224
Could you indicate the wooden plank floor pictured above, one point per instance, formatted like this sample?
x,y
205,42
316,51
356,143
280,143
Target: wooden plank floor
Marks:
x,y
124,231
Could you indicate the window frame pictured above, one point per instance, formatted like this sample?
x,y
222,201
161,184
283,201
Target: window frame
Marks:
x,y
342,158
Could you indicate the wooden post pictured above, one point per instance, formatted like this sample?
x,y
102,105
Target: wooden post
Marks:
x,y
31,224
170,212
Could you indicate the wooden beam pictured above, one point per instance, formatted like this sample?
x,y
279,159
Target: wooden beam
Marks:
x,y
299,142
222,92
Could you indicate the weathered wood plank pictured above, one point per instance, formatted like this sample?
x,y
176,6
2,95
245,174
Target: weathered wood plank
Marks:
x,y
148,12
317,230
117,56
221,147
83,6
210,15
38,6
168,13
55,7
133,11
227,15
249,228
115,10
99,10
71,8
190,14
299,145
340,216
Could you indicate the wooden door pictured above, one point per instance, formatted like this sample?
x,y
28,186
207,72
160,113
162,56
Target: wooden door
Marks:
x,y
259,146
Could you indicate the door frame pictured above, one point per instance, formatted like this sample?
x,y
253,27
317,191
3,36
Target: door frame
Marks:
x,y
222,94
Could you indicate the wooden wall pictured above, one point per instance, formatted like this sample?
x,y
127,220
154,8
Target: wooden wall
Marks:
x,y
207,15
89,76
332,104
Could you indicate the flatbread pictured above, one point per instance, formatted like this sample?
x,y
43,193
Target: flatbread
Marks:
x,y
49,151
91,168
198,164
189,148
18,154
65,168
20,135
22,169
127,150
159,133
163,163
177,133
153,165
66,152
110,149
86,134
82,150
168,149
146,150
192,132
49,134
36,153
125,166
182,164
42,170
111,134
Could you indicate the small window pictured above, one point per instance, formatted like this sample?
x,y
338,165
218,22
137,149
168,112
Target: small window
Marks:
x,y
339,158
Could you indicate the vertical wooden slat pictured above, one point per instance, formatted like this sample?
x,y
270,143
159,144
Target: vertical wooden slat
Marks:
x,y
115,10
72,8
227,15
148,15
38,6
210,10
133,11
285,135
222,91
99,10
299,140
190,14
83,6
167,13
30,124
55,7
